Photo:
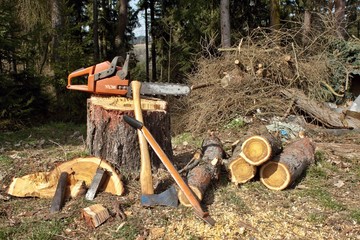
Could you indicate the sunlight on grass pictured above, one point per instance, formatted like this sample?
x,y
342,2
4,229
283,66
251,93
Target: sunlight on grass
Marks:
x,y
324,198
186,138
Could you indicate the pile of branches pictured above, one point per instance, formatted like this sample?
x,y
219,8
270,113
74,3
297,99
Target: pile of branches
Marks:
x,y
247,80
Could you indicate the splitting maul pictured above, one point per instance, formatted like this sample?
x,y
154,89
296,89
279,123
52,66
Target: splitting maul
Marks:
x,y
110,79
170,167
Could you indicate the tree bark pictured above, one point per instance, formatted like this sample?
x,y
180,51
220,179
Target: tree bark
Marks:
x,y
110,138
306,27
275,14
207,170
225,23
258,149
122,23
56,24
281,172
153,45
96,32
340,18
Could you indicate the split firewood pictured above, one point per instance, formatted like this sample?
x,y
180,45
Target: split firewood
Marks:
x,y
95,215
240,171
282,171
207,170
260,148
43,184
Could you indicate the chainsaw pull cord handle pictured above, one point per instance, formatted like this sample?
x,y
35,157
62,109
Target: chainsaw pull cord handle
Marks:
x,y
146,182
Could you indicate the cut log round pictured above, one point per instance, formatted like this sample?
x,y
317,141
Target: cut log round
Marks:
x,y
110,138
281,172
240,171
43,184
258,149
207,170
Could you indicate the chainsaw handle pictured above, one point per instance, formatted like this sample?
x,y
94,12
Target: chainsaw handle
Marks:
x,y
133,122
80,72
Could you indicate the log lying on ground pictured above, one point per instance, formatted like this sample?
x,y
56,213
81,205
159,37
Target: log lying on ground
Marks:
x,y
207,170
281,172
110,138
258,149
43,184
240,171
319,113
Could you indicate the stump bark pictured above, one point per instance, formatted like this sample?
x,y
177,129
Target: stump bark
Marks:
x,y
281,172
260,148
110,138
207,170
240,171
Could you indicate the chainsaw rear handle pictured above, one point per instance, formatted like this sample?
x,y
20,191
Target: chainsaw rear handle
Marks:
x,y
133,122
80,72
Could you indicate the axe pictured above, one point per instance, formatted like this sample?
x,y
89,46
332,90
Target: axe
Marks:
x,y
172,170
148,198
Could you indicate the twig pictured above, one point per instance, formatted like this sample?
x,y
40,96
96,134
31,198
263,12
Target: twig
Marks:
x,y
194,161
331,89
296,61
58,144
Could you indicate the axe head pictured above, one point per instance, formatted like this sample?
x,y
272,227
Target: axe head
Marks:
x,y
166,198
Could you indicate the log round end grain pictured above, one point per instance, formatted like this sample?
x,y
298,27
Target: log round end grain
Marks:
x,y
241,171
183,199
256,150
275,175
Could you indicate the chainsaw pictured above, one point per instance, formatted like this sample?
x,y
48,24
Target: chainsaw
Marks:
x,y
110,79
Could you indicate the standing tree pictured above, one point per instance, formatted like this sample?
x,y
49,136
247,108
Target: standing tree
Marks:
x,y
340,18
96,31
225,23
275,14
122,23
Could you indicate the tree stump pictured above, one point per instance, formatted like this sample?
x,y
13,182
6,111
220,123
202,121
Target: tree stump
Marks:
x,y
240,171
281,172
258,149
110,138
207,170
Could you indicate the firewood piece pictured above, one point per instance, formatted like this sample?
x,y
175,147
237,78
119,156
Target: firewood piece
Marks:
x,y
319,113
95,215
110,137
58,199
281,172
258,149
43,184
239,170
77,190
207,170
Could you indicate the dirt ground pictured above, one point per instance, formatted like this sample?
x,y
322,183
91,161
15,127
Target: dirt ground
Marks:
x,y
323,204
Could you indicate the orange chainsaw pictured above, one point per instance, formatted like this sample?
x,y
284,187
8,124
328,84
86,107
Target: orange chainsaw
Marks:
x,y
111,79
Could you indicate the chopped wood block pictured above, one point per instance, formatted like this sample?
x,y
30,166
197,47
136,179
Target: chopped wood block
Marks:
x,y
43,184
78,189
259,149
95,215
281,172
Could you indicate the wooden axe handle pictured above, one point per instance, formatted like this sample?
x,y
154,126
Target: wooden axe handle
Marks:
x,y
145,168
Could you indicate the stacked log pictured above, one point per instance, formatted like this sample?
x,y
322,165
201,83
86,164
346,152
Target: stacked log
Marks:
x,y
208,169
282,171
240,171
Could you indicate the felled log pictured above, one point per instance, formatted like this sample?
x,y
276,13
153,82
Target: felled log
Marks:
x,y
43,184
260,148
240,171
319,113
110,138
95,215
281,172
208,169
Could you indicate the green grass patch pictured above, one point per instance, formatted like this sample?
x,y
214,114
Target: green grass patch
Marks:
x,y
236,123
355,215
5,161
127,232
316,218
188,138
229,196
324,198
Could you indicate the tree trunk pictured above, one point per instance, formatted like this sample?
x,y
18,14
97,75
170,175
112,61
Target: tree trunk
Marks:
x,y
110,138
43,184
275,14
96,31
240,171
340,18
306,27
153,48
56,24
225,24
281,172
122,23
207,170
258,149
146,40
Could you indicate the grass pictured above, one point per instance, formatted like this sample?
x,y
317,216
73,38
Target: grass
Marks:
x,y
355,215
128,231
5,161
187,138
